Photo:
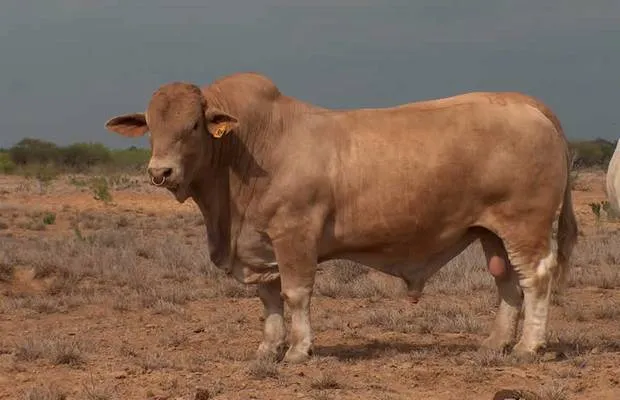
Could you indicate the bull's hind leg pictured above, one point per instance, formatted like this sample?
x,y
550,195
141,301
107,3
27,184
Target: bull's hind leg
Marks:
x,y
535,264
274,333
504,330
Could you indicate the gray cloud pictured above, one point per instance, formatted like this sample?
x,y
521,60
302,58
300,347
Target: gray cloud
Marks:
x,y
68,65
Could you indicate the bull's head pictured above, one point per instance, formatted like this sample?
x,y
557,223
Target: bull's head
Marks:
x,y
182,129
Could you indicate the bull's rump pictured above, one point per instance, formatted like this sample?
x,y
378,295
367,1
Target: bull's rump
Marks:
x,y
417,177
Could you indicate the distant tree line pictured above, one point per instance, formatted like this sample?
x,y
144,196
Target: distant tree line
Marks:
x,y
81,157
77,157
592,153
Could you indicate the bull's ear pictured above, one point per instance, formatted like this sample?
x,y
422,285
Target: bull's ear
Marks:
x,y
132,125
220,123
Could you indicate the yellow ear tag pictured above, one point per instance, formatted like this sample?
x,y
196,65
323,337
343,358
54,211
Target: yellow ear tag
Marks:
x,y
220,131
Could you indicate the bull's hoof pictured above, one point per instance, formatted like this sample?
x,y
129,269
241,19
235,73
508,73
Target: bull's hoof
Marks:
x,y
270,351
526,353
294,356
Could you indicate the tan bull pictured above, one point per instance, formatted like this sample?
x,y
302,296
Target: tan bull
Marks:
x,y
283,185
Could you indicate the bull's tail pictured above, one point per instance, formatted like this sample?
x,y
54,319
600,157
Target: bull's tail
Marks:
x,y
567,230
567,223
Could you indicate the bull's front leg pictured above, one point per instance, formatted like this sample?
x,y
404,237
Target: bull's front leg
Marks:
x,y
274,332
297,262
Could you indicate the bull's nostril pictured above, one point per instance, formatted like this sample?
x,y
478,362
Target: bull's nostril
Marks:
x,y
160,172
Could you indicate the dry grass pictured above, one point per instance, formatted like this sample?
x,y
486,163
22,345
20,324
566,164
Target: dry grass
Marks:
x,y
262,368
153,361
92,390
555,391
145,271
325,381
7,268
56,350
122,286
44,392
427,318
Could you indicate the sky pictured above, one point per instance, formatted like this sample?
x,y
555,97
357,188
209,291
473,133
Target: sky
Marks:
x,y
66,66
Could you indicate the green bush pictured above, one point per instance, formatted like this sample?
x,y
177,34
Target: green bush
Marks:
x,y
49,218
101,189
81,156
133,158
592,153
34,151
30,155
7,165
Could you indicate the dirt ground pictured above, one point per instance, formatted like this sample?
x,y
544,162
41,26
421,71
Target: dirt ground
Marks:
x,y
114,298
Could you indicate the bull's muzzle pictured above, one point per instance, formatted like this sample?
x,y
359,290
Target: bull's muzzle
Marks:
x,y
159,176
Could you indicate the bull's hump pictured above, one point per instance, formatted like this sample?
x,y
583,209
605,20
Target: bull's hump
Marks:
x,y
244,83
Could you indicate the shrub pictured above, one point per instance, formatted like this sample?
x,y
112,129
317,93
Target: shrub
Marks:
x,y
7,165
49,218
100,188
81,156
34,151
29,154
132,158
592,153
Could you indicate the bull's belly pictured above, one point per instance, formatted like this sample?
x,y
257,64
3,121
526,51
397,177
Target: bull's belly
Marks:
x,y
409,258
385,261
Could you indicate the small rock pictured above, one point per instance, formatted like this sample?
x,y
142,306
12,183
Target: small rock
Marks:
x,y
202,394
199,330
120,375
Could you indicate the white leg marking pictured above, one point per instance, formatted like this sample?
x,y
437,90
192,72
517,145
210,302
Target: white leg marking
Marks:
x,y
274,332
298,300
507,318
536,291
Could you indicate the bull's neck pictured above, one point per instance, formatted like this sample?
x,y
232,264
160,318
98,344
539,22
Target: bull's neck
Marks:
x,y
226,185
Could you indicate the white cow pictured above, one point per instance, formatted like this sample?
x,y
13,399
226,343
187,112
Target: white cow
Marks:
x,y
613,180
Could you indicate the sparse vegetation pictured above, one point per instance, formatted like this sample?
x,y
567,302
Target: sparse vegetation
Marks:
x,y
49,218
602,208
612,215
263,368
127,293
95,391
57,350
596,210
592,153
44,392
39,155
554,391
101,190
325,381
7,166
6,267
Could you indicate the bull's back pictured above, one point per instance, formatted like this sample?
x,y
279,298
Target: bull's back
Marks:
x,y
434,168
